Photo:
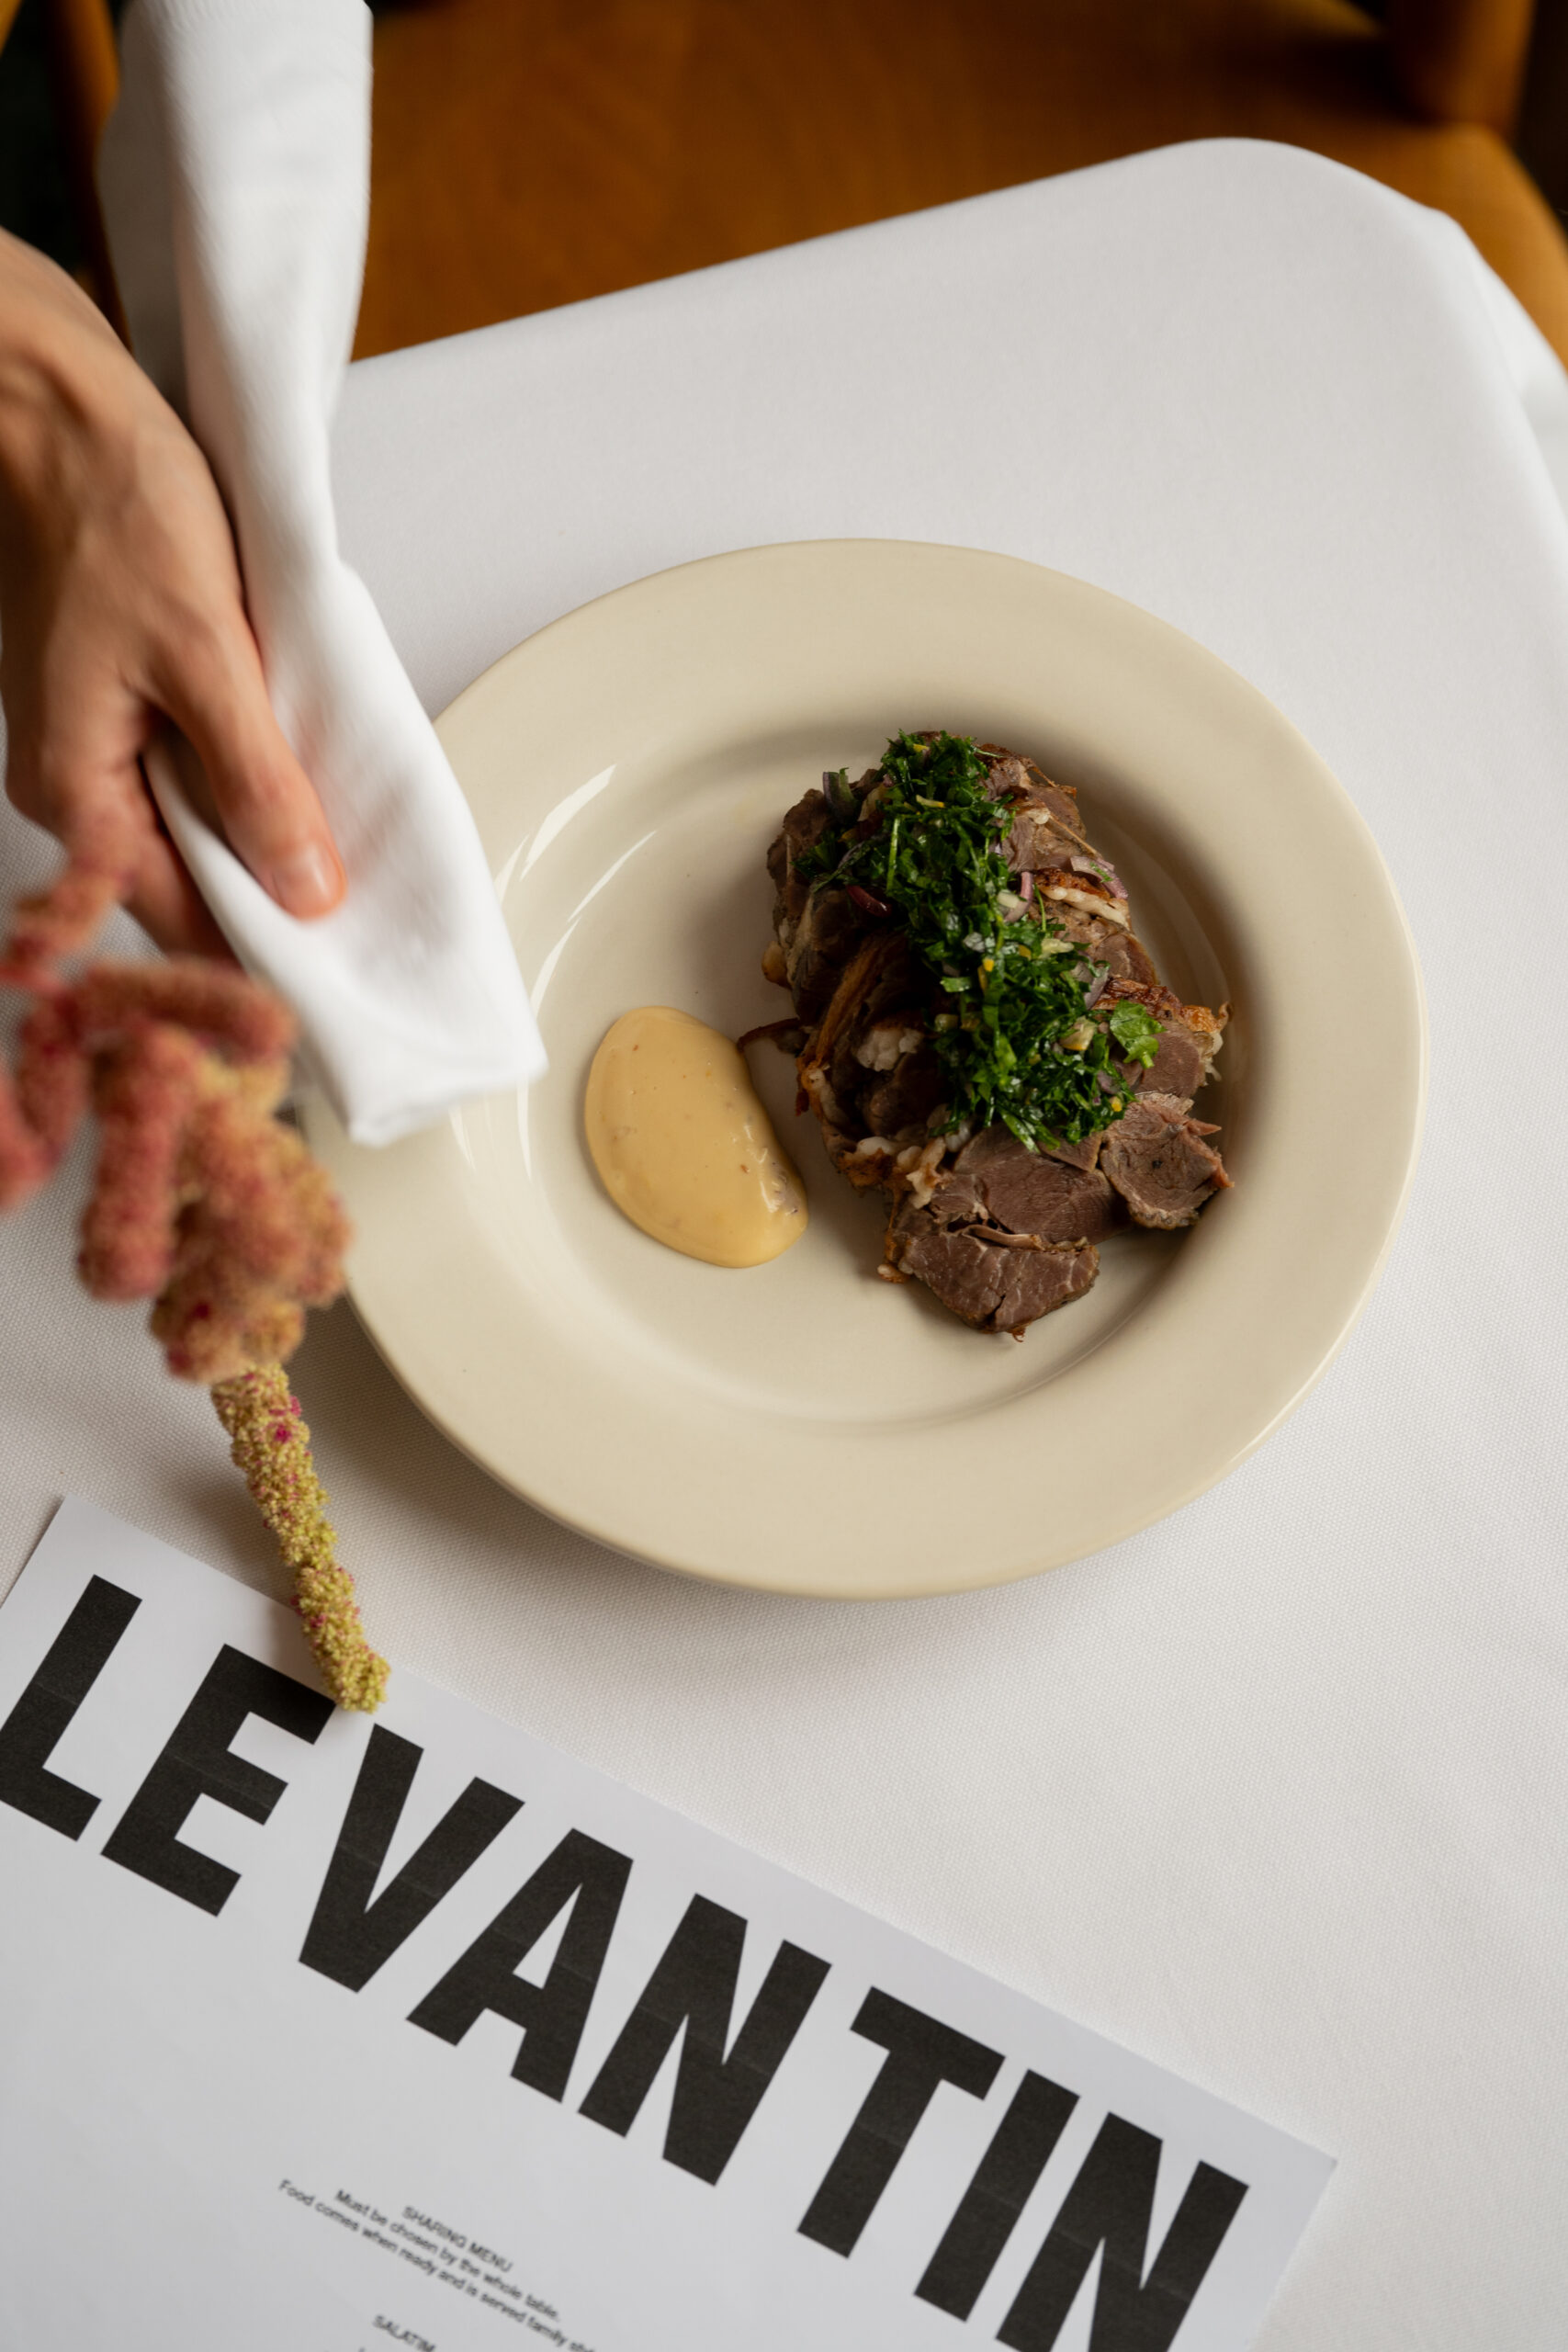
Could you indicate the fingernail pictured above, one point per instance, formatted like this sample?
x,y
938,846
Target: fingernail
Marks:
x,y
307,884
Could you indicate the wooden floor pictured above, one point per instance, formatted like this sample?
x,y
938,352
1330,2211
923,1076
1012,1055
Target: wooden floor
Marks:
x,y
529,152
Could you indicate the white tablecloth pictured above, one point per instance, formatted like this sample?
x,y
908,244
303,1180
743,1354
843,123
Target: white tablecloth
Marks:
x,y
1276,1792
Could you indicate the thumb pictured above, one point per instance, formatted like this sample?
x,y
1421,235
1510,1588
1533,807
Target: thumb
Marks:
x,y
266,802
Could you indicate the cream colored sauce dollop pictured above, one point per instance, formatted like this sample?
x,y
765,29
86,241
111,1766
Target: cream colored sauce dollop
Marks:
x,y
684,1147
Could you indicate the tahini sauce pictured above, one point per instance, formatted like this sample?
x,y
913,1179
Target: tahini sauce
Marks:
x,y
684,1147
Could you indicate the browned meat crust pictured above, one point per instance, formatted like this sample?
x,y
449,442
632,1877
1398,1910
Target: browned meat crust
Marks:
x,y
1000,1234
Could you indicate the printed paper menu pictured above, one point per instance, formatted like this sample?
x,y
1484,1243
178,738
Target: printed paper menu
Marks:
x,y
340,2033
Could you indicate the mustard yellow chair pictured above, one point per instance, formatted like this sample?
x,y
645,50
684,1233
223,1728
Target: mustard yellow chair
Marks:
x,y
534,152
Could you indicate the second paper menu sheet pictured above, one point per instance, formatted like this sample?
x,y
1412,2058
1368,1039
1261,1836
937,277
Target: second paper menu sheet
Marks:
x,y
333,2034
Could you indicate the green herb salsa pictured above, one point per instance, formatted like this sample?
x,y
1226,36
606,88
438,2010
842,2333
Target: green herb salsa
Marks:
x,y
1016,1035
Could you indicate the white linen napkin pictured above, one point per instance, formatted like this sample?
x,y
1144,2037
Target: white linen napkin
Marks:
x,y
235,176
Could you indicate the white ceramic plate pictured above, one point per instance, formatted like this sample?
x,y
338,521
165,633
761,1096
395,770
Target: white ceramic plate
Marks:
x,y
802,1426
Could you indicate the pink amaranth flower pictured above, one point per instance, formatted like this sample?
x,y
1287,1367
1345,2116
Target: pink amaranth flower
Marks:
x,y
202,1200
142,1092
278,1468
61,921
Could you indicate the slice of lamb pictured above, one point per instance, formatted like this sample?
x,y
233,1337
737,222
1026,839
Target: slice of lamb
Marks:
x,y
1046,828
965,1274
1036,1282
901,984
1035,841
865,1050
825,939
1008,776
904,1096
957,1200
1077,1155
1127,957
842,1067
803,827
1103,942
1030,1193
1014,777
1158,1159
994,1289
1177,1068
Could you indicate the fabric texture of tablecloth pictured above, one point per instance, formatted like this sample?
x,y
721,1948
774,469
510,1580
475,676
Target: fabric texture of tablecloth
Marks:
x,y
1276,1792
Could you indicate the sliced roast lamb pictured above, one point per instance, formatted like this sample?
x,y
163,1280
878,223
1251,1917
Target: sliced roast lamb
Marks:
x,y
999,1219
1161,1164
1002,1183
981,1277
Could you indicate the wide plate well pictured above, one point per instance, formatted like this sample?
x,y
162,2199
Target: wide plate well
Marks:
x,y
804,1427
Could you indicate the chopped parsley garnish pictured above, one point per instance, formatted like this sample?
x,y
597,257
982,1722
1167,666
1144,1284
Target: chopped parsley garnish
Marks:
x,y
1136,1031
1016,1034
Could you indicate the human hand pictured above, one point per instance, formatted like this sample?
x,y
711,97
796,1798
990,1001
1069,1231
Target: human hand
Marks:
x,y
122,606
